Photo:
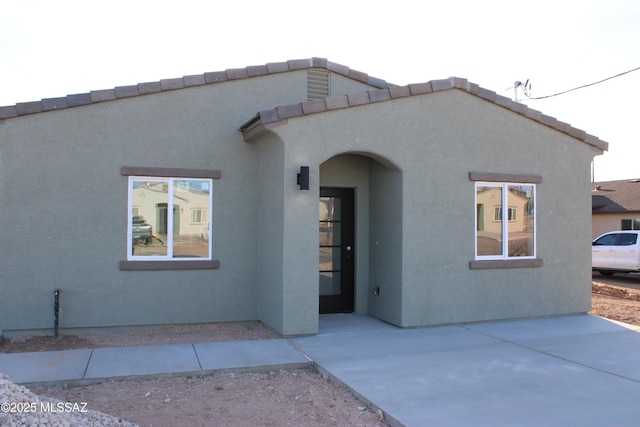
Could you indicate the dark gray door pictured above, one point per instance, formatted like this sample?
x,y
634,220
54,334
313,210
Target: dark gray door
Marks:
x,y
337,251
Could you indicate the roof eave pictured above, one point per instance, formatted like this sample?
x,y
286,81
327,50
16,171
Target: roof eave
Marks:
x,y
97,96
392,92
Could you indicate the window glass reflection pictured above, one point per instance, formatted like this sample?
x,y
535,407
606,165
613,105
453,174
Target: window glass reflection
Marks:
x,y
191,201
330,233
505,220
330,259
148,212
521,221
330,283
170,218
488,220
330,209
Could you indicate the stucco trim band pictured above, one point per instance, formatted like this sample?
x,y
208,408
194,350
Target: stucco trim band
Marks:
x,y
169,172
505,263
168,265
505,177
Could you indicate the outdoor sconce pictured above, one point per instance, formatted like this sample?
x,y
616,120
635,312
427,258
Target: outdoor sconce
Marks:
x,y
303,178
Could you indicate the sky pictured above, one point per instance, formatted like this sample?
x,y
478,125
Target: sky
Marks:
x,y
51,49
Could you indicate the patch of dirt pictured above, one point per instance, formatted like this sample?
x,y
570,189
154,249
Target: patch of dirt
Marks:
x,y
299,397
615,303
179,334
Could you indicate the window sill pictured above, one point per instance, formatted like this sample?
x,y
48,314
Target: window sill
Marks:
x,y
168,265
505,263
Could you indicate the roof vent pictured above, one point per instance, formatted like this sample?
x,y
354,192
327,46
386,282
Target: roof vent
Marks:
x,y
317,84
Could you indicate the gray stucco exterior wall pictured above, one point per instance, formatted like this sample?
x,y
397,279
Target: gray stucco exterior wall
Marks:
x,y
64,208
422,266
63,211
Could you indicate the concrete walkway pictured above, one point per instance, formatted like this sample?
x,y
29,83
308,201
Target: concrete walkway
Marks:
x,y
566,371
81,367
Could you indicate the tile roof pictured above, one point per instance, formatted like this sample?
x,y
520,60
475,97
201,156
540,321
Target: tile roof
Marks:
x,y
616,196
96,96
278,116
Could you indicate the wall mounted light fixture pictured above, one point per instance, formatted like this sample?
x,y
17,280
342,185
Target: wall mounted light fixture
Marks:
x,y
303,178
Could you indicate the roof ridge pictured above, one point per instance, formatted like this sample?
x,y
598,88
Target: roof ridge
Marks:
x,y
279,115
96,96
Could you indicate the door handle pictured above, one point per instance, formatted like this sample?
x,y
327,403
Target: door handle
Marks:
x,y
348,248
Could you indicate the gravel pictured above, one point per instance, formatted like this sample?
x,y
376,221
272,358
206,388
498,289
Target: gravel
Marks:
x,y
19,407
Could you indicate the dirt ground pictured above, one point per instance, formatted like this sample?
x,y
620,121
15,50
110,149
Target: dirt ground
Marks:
x,y
299,397
283,398
180,334
616,303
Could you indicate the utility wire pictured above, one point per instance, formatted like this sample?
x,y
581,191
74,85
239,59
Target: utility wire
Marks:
x,y
583,86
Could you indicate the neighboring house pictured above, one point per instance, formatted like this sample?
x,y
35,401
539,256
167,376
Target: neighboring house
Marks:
x,y
615,205
277,192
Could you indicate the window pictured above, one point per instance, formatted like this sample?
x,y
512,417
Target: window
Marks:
x,y
628,239
617,239
498,214
169,218
630,224
510,232
166,226
607,240
197,215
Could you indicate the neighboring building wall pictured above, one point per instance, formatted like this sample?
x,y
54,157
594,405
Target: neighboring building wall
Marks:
x,y
603,223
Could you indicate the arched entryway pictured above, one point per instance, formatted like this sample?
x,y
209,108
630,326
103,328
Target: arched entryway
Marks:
x,y
360,229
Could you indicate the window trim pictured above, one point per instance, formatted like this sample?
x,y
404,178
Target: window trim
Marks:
x,y
173,264
489,179
632,224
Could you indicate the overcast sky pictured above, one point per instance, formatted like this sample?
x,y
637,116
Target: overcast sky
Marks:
x,y
55,48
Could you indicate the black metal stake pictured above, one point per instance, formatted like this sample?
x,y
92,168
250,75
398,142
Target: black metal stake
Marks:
x,y
56,310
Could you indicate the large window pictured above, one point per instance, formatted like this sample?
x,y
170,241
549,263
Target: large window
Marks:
x,y
169,218
505,221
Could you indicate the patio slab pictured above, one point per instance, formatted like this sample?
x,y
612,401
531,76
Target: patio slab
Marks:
x,y
537,372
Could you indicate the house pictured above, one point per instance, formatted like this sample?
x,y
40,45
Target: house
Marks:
x,y
282,191
615,205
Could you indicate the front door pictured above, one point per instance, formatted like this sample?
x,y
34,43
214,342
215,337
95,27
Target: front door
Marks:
x,y
337,252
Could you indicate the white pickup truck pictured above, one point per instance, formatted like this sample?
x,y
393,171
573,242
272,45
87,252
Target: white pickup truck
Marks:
x,y
616,252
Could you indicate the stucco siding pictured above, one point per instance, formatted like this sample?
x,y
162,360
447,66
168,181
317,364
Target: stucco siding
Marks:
x,y
455,134
269,236
64,206
63,216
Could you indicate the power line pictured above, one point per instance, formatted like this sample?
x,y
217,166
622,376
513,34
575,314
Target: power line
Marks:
x,y
575,88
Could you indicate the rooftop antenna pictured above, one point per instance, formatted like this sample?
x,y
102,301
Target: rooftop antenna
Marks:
x,y
526,89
